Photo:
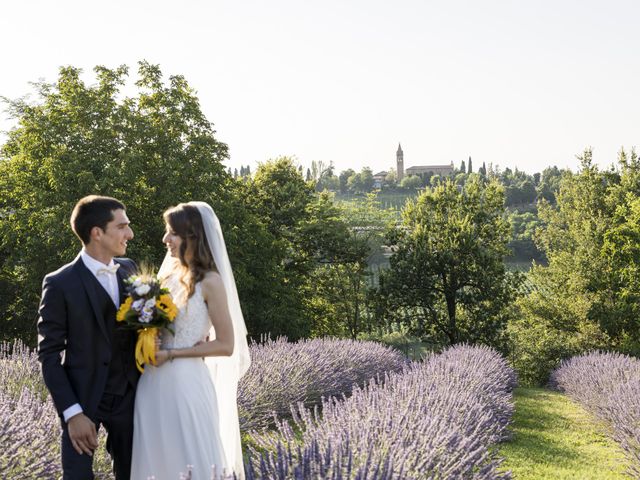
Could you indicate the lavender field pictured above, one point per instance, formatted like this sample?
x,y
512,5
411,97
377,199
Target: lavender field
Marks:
x,y
608,386
436,419
321,409
284,374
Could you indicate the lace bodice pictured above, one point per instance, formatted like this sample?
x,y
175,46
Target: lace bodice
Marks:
x,y
191,325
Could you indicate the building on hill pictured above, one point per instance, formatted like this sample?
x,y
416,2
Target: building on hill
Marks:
x,y
421,170
433,169
379,179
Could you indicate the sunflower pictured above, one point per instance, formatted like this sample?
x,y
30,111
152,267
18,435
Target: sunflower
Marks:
x,y
124,308
165,304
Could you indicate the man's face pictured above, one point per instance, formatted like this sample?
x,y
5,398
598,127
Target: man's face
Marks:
x,y
113,239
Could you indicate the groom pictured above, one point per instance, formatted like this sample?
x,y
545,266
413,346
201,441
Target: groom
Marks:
x,y
87,363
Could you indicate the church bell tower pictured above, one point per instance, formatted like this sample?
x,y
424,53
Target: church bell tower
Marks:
x,y
400,164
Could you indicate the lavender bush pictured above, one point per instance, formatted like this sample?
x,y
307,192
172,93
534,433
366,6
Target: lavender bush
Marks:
x,y
29,424
28,437
435,420
432,420
607,385
19,369
284,374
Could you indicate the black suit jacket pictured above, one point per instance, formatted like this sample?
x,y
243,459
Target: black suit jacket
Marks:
x,y
75,339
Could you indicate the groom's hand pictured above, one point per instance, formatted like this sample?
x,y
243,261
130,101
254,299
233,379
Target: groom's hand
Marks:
x,y
83,435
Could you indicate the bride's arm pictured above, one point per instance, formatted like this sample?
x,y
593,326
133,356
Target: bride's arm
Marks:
x,y
216,298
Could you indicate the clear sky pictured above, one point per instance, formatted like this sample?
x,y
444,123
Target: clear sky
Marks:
x,y
523,84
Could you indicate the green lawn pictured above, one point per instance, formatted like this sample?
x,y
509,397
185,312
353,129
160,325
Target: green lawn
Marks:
x,y
555,439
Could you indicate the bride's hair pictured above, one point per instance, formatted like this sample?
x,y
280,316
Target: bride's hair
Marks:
x,y
194,254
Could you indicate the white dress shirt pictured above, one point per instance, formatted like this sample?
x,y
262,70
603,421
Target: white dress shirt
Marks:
x,y
109,282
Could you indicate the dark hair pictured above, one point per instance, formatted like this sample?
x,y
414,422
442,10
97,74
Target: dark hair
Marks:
x,y
93,211
185,220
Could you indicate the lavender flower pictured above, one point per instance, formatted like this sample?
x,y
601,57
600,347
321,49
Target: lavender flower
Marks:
x,y
29,424
437,419
284,374
20,369
608,386
29,434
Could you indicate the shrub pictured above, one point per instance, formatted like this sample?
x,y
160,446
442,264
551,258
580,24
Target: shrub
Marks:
x,y
607,385
437,419
284,374
536,348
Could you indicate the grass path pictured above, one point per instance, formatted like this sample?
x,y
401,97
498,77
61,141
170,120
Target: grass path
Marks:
x,y
555,439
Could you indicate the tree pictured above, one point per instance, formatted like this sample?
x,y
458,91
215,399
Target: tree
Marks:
x,y
340,288
279,196
589,240
587,297
522,244
309,234
323,176
151,150
320,169
354,183
391,179
447,277
463,168
366,178
344,179
469,166
412,182
549,183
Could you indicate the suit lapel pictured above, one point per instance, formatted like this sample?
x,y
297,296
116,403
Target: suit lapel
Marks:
x,y
90,283
121,275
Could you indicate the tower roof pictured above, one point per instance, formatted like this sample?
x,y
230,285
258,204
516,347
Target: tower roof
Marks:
x,y
399,148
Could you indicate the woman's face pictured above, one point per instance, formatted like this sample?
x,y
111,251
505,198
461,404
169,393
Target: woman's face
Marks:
x,y
173,241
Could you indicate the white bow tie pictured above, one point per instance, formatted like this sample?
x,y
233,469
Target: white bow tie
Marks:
x,y
109,270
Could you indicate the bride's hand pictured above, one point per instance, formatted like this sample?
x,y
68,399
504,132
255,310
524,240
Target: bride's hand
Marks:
x,y
161,357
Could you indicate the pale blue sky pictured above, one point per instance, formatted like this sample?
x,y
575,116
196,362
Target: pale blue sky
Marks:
x,y
523,84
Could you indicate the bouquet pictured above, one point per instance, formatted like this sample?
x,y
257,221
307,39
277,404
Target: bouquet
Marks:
x,y
148,308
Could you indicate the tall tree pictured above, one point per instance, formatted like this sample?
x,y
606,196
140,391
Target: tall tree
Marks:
x,y
447,277
589,241
152,150
308,232
587,297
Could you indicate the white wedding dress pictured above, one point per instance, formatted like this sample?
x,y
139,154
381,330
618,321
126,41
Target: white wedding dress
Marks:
x,y
176,420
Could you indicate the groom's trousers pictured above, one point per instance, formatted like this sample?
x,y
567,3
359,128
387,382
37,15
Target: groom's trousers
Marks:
x,y
115,414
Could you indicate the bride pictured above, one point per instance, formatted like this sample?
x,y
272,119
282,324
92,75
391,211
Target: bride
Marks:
x,y
185,410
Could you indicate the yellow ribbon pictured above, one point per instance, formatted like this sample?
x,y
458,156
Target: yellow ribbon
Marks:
x,y
146,347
